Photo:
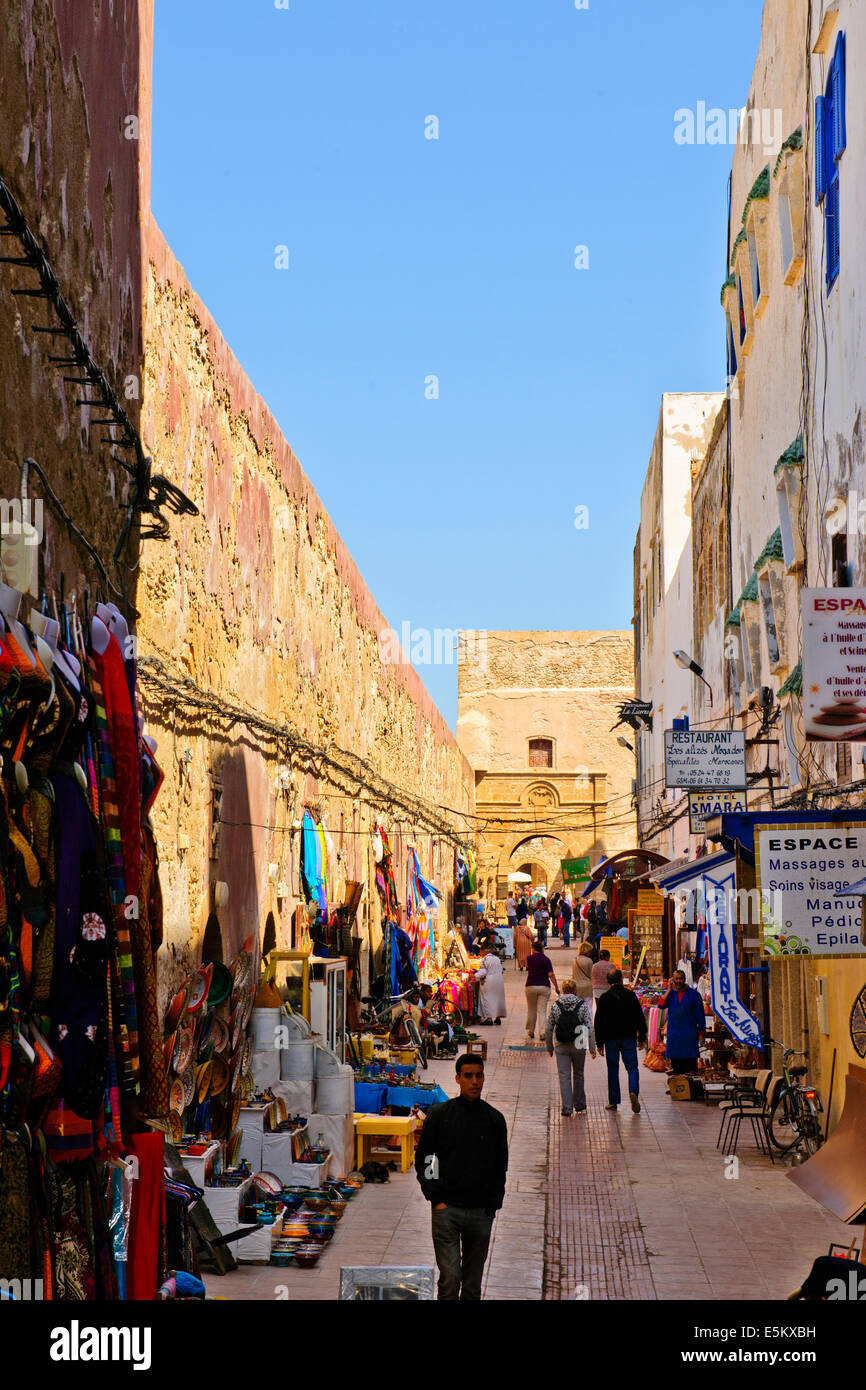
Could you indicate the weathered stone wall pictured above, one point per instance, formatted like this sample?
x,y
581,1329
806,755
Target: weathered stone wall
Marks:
x,y
69,82
562,686
258,602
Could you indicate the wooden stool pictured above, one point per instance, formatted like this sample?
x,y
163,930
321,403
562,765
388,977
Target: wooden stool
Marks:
x,y
368,1127
477,1046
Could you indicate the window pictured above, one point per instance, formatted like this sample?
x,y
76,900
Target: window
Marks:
x,y
732,352
786,231
769,621
540,752
710,587
755,268
701,596
741,309
840,569
830,142
721,576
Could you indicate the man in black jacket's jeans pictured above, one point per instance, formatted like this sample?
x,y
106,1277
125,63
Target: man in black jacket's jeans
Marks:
x,y
461,1162
619,1027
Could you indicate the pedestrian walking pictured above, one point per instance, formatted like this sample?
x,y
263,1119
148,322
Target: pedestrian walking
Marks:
x,y
539,978
491,992
686,1026
523,936
553,911
511,911
461,1161
569,1036
566,914
619,1027
582,972
599,974
541,918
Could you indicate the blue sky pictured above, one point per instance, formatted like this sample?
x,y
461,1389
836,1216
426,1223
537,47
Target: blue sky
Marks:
x,y
412,257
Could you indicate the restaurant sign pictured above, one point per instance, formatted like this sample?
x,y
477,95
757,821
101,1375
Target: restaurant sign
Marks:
x,y
702,758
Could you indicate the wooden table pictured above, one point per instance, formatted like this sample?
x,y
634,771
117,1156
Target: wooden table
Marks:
x,y
368,1127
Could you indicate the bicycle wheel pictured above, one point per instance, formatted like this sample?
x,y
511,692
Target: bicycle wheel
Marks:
x,y
784,1127
811,1130
415,1037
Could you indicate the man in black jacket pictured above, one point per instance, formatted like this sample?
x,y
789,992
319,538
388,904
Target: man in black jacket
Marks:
x,y
461,1162
619,1027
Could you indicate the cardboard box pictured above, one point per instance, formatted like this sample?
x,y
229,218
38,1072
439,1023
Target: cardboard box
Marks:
x,y
685,1088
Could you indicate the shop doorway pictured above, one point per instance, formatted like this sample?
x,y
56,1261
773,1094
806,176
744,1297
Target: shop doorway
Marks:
x,y
269,938
212,945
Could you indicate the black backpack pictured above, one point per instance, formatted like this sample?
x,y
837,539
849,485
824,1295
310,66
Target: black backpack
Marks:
x,y
567,1024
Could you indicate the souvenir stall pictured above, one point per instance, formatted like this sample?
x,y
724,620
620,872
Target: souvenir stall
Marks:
x,y
84,1090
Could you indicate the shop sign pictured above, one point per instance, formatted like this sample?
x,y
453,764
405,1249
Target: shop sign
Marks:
x,y
800,869
574,870
703,758
616,946
703,806
650,902
724,989
834,669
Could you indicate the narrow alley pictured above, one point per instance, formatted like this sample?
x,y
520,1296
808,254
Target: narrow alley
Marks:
x,y
603,1206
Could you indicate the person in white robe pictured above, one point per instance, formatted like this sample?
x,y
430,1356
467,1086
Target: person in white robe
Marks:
x,y
491,988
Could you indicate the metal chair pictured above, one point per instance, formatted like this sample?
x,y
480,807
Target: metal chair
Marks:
x,y
757,1109
734,1090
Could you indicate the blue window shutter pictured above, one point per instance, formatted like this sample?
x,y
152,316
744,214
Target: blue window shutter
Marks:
x,y
820,171
840,135
742,310
831,217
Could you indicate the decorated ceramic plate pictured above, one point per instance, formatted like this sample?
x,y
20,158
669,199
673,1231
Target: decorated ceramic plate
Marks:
x,y
188,1082
220,1075
221,985
176,1008
176,1122
201,982
184,1049
203,1078
221,1035
175,1096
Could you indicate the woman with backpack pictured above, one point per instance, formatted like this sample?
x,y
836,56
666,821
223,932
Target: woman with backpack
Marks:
x,y
569,1036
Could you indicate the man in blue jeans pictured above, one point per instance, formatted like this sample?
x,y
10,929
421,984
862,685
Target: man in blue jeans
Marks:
x,y
619,1027
461,1161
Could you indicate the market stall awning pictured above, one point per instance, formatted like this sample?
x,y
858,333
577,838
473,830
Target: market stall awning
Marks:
x,y
687,874
607,867
853,890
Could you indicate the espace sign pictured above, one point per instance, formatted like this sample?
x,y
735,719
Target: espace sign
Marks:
x,y
800,869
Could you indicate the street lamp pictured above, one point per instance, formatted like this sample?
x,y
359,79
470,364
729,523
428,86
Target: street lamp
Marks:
x,y
688,664
624,743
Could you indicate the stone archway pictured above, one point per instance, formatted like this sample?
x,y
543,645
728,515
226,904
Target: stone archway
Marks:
x,y
544,851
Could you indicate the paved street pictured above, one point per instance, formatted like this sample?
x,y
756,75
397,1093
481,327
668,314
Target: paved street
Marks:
x,y
602,1206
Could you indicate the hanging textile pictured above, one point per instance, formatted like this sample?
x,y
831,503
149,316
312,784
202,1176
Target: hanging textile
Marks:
x,y
422,901
313,861
467,876
80,923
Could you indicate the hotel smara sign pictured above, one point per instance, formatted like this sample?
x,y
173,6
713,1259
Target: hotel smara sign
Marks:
x,y
702,758
802,872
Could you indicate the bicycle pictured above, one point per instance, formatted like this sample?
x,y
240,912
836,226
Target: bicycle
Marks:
x,y
439,1007
794,1120
382,1013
